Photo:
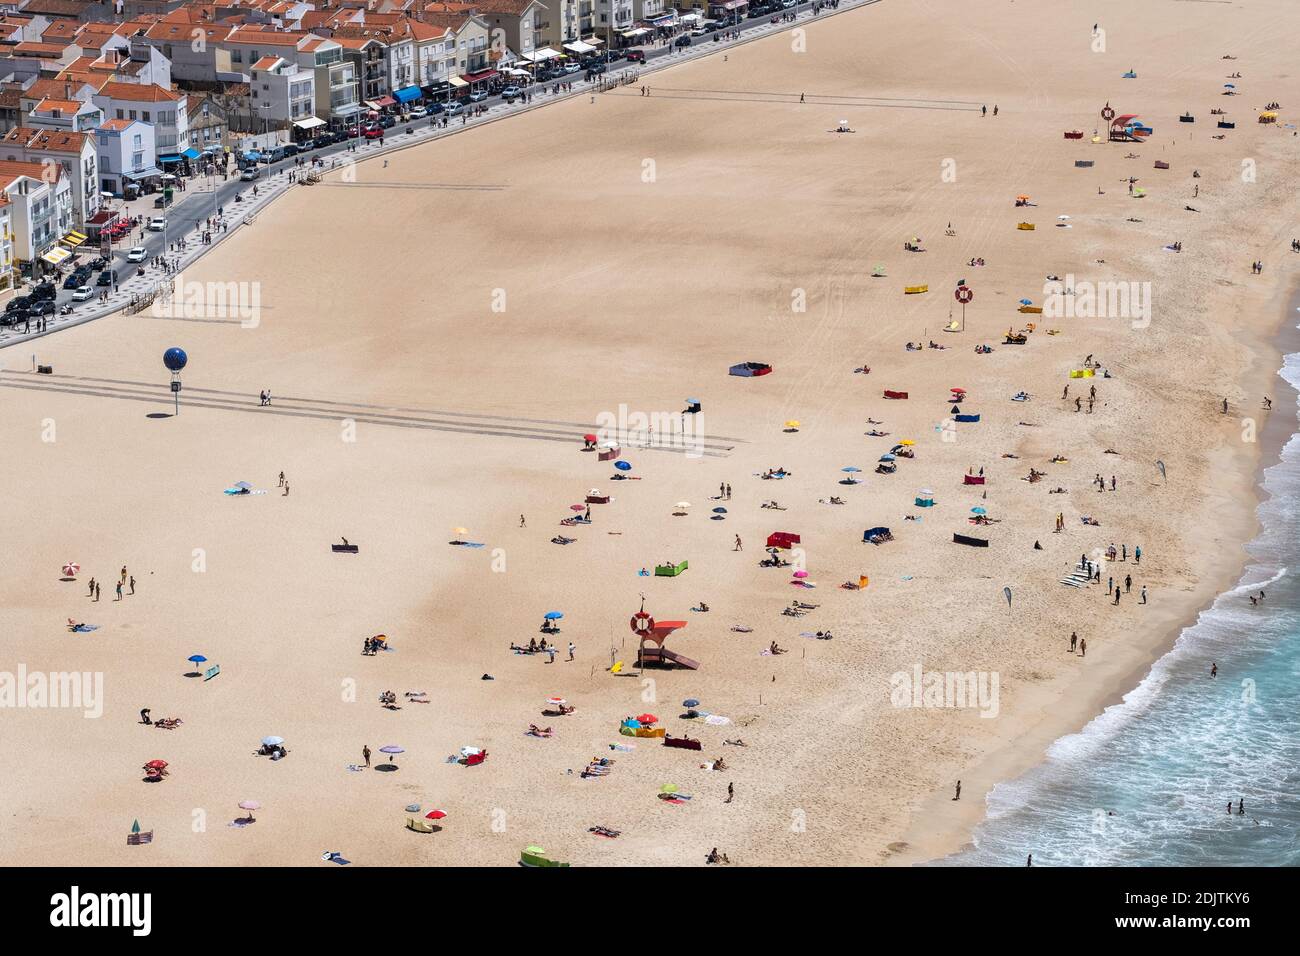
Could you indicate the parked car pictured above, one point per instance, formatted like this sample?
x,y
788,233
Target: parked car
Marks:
x,y
292,149
419,112
320,142
478,96
42,307
387,122
456,108
596,69
249,174
75,279
683,40
162,202
510,92
436,108
136,255
636,56
83,293
374,131
571,67
157,224
106,278
44,290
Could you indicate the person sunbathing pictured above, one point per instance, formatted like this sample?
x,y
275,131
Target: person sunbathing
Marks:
x,y
720,764
836,501
702,608
875,433
539,731
738,742
775,648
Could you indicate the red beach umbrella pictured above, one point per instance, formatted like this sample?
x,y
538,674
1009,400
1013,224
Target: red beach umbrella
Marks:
x,y
648,719
434,815
157,764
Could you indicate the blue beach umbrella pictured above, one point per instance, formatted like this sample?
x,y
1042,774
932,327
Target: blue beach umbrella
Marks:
x,y
553,615
690,702
978,511
719,511
623,465
1026,301
888,458
850,469
196,658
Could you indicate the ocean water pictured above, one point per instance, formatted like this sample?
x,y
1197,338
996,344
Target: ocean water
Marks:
x,y
1147,782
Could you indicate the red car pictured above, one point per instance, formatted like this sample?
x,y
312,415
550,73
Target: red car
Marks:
x,y
373,132
636,56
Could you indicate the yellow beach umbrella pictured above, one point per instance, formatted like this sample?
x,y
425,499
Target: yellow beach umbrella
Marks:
x,y
460,530
792,423
907,441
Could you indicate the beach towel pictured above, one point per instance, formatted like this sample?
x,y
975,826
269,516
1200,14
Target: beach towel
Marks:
x,y
241,491
84,628
330,856
466,544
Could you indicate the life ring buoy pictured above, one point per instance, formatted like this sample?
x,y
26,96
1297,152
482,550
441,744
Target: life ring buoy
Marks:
x,y
642,623
1108,114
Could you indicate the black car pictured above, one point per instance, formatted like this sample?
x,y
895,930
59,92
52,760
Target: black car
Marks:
x,y
18,304
320,142
106,278
44,290
683,40
44,307
75,279
596,69
436,108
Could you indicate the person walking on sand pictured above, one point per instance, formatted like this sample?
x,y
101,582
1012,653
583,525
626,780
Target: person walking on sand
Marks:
x,y
1143,598
957,795
572,647
1128,583
728,492
731,792
800,97
92,588
133,584
97,592
281,485
984,110
365,753
286,490
722,490
1074,641
739,546
1083,647
119,591
522,523
124,574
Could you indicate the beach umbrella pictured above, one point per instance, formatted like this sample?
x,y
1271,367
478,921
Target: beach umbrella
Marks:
x,y
1026,301
1161,466
682,504
553,615
648,719
469,751
926,493
157,764
690,702
954,388
556,701
668,788
693,401
1063,218
979,511
249,805
792,423
391,749
135,826
1022,197
719,510
435,815
242,486
888,457
70,569
907,441
623,465
1229,86
272,742
577,507
609,443
460,530
196,658
801,574
589,437
851,469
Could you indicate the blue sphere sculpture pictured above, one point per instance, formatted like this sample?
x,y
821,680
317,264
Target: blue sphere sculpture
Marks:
x,y
175,359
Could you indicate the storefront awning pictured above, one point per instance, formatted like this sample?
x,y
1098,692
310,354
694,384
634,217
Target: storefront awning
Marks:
x,y
146,173
349,110
55,256
384,101
189,152
633,34
457,82
481,76
545,53
577,46
74,239
311,122
407,94
172,158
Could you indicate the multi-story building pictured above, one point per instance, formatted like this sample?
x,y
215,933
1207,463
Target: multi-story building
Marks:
x,y
280,92
6,244
367,54
40,204
207,123
165,109
72,152
126,154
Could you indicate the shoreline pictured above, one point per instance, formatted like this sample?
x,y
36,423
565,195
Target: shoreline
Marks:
x,y
1029,750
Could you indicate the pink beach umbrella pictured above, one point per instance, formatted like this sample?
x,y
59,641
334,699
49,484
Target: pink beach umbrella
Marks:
x,y
70,569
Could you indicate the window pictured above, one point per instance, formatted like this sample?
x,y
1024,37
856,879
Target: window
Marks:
x,y
145,116
131,113
119,115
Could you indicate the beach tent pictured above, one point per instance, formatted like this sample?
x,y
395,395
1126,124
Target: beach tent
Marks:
x,y
876,535
750,369
782,539
966,418
968,540
925,498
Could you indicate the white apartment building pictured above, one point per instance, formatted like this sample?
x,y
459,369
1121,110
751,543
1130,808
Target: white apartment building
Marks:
x,y
73,152
165,109
280,92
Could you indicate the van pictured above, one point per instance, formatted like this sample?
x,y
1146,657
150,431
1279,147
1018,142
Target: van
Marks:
x,y
274,154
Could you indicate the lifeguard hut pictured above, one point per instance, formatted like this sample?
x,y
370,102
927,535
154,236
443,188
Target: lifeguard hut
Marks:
x,y
1128,129
651,635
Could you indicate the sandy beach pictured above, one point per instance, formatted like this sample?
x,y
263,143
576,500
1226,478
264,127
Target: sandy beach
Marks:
x,y
441,329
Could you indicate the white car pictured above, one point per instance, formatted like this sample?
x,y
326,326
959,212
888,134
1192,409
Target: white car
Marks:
x,y
157,224
419,113
571,68
510,92
82,293
478,96
136,255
